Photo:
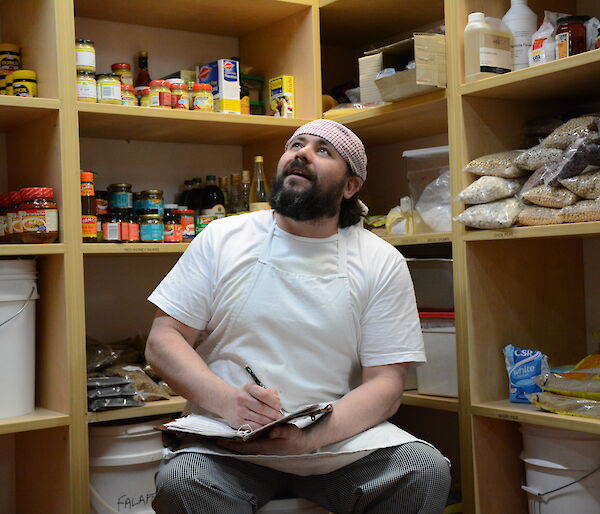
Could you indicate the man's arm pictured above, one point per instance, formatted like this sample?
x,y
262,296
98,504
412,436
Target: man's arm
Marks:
x,y
169,351
374,401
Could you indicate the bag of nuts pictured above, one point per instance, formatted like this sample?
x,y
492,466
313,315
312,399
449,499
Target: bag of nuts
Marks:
x,y
547,196
586,210
586,185
534,215
496,164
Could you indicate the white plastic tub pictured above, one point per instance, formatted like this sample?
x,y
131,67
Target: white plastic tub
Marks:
x,y
434,285
18,292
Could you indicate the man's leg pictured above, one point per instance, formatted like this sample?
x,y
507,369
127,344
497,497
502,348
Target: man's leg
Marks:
x,y
412,478
195,483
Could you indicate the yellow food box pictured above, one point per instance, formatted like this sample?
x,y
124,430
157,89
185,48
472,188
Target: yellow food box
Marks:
x,y
281,91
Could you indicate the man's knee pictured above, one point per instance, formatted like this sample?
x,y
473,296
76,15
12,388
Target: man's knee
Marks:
x,y
431,466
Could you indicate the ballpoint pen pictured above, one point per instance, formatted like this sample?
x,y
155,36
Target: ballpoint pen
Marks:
x,y
259,383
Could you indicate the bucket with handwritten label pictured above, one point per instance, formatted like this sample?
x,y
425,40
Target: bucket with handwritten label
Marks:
x,y
123,462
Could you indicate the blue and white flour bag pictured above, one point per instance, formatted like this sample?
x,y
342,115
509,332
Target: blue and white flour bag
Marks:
x,y
523,366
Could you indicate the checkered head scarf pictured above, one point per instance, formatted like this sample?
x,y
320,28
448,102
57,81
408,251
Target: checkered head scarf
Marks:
x,y
346,142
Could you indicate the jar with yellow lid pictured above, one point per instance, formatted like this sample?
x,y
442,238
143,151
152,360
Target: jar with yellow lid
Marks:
x,y
24,83
180,98
160,94
123,70
10,58
202,97
85,55
86,86
145,97
128,96
9,81
108,88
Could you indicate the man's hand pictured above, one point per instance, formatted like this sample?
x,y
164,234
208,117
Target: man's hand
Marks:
x,y
282,440
252,405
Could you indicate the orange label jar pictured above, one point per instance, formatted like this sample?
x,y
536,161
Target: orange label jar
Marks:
x,y
39,215
160,94
180,98
186,220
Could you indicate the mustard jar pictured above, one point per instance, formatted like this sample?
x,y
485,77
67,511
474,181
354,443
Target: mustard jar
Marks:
x,y
128,96
10,58
108,88
9,81
85,55
160,94
86,86
123,70
24,83
2,86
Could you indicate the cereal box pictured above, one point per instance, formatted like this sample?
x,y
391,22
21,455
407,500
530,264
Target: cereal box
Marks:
x,y
281,91
224,76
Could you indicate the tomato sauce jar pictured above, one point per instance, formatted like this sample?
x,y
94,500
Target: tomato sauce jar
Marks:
x,y
39,215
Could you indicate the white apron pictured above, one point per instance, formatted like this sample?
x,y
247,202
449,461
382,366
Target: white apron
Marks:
x,y
300,334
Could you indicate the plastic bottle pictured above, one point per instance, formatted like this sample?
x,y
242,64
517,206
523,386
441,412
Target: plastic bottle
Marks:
x,y
487,47
522,23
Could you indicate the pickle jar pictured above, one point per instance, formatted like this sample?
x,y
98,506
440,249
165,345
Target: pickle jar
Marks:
x,y
180,98
85,55
108,88
86,86
10,58
24,83
123,71
160,94
151,227
120,196
202,98
128,95
39,215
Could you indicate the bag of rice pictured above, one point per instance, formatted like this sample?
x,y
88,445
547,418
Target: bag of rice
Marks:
x,y
580,127
496,164
546,196
536,157
500,214
487,189
534,215
586,185
585,210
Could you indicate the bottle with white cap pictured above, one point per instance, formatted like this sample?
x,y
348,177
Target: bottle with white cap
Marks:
x,y
522,23
487,47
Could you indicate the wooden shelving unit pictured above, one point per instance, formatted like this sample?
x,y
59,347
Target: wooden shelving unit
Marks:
x,y
504,280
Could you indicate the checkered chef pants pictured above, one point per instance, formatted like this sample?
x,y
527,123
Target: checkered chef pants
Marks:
x,y
412,478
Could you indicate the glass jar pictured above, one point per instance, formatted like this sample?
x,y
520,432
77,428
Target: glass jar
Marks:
x,y
202,98
113,225
186,219
123,71
137,202
108,88
101,202
9,81
160,94
172,224
24,83
10,58
145,97
39,215
151,228
86,86
128,95
120,196
133,231
571,36
13,218
180,98
152,199
85,55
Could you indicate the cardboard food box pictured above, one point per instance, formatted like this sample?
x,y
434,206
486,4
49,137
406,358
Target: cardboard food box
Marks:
x,y
281,93
224,77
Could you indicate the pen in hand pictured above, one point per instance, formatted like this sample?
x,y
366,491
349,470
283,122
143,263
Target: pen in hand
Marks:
x,y
259,383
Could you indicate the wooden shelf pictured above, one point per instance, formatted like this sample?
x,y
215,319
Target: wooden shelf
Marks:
x,y
419,239
147,124
38,419
32,249
16,111
172,406
208,16
568,77
526,413
589,229
125,248
415,399
360,23
412,118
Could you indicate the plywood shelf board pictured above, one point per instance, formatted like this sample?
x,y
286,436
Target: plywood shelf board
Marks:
x,y
39,419
17,111
172,406
418,239
133,248
433,402
565,230
32,249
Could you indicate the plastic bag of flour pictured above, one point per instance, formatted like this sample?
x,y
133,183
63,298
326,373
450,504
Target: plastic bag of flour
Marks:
x,y
523,366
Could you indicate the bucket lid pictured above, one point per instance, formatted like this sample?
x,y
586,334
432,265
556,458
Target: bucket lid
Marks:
x,y
11,267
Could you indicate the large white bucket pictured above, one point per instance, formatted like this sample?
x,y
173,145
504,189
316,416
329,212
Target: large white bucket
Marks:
x,y
18,293
562,470
291,506
123,462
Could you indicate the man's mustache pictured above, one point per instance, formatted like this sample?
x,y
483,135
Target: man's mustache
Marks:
x,y
298,165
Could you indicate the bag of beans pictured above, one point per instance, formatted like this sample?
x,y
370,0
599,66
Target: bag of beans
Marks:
x,y
488,189
534,215
537,157
586,185
496,164
585,210
547,196
585,127
493,215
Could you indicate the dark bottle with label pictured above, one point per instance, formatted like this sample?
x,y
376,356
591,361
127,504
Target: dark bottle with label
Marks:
x,y
213,201
142,81
88,208
194,199
187,187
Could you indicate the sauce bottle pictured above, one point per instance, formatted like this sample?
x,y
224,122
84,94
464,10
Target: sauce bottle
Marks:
x,y
89,221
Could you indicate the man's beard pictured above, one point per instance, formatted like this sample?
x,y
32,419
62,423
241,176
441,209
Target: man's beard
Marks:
x,y
311,203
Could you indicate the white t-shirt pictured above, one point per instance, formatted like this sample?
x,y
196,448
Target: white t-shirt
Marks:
x,y
211,276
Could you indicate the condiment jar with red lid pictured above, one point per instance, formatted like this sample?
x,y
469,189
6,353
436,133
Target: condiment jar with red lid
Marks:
x,y
180,98
123,70
13,218
186,220
160,94
39,215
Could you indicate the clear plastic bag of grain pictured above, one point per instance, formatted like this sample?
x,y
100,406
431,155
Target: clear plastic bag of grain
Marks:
x,y
146,389
574,161
581,127
534,215
585,210
493,215
586,185
496,164
537,157
547,196
488,189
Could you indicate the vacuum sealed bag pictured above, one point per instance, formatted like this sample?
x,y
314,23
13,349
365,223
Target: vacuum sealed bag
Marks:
x,y
488,189
533,215
500,214
496,164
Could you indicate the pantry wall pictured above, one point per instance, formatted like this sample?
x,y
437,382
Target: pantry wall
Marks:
x,y
532,286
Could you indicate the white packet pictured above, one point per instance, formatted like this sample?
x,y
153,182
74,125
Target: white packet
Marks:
x,y
591,33
543,45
